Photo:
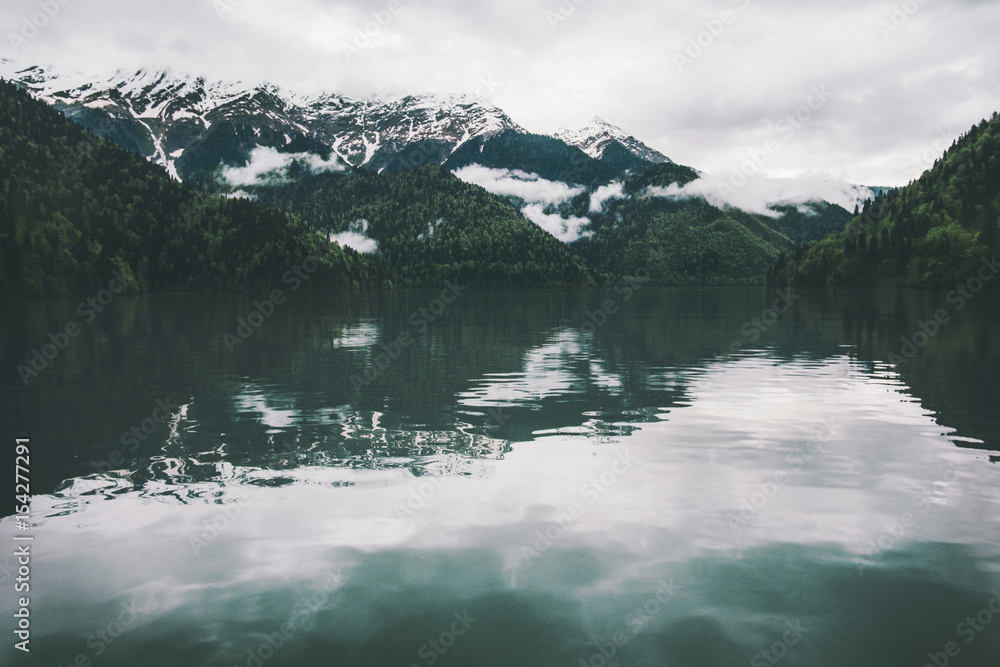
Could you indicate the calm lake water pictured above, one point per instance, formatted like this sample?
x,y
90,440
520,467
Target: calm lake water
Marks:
x,y
512,478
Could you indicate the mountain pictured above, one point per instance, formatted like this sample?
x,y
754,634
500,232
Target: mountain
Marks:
x,y
612,145
425,185
78,211
936,232
189,125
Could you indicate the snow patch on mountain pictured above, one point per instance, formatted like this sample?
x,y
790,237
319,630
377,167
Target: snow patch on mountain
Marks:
x,y
371,147
595,138
168,105
267,162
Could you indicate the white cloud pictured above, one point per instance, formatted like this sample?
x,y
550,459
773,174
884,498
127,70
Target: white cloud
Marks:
x,y
538,192
266,161
529,187
757,195
430,230
615,190
240,194
357,238
566,230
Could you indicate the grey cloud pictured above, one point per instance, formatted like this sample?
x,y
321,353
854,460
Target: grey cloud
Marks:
x,y
613,59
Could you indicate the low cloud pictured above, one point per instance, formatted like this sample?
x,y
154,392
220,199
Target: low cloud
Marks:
x,y
430,230
240,194
356,237
566,230
758,195
615,190
268,165
517,183
895,87
539,192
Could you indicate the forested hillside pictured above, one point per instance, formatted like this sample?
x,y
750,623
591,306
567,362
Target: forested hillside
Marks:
x,y
430,225
934,232
74,207
690,241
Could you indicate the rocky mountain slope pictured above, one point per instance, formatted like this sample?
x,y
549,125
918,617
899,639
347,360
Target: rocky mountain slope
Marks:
x,y
610,144
189,125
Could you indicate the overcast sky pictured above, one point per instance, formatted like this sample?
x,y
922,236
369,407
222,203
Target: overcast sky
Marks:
x,y
892,83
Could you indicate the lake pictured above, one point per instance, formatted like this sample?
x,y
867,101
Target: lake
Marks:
x,y
555,477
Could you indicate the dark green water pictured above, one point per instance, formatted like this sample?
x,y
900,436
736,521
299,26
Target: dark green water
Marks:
x,y
679,486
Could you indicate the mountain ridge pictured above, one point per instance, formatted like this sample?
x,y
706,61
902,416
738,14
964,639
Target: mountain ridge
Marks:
x,y
168,115
196,128
179,120
607,142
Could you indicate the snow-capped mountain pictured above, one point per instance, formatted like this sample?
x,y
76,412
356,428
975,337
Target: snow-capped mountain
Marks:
x,y
190,125
230,135
611,144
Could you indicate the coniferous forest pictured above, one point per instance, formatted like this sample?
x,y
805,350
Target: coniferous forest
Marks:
x,y
935,232
431,226
75,207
